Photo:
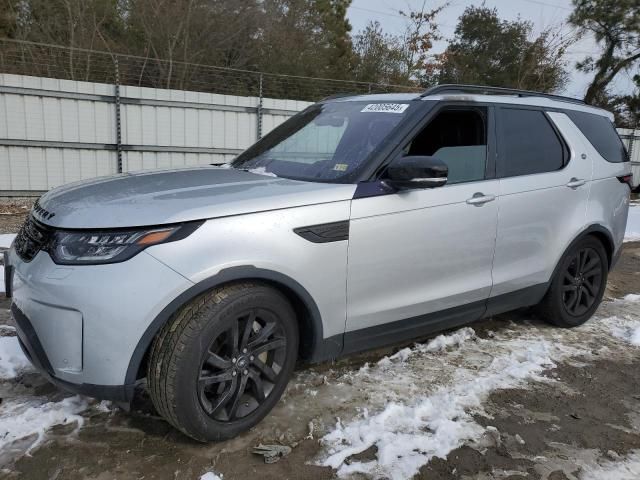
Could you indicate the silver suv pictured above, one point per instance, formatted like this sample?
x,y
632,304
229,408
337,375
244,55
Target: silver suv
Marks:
x,y
360,222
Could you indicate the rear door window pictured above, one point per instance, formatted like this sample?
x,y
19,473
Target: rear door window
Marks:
x,y
601,134
529,144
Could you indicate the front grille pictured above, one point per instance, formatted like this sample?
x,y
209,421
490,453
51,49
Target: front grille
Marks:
x,y
32,238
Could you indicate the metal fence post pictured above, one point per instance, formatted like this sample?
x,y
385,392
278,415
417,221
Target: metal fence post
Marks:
x,y
259,110
118,119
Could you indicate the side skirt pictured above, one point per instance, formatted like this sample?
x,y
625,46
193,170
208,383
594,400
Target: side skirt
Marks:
x,y
407,329
423,325
526,297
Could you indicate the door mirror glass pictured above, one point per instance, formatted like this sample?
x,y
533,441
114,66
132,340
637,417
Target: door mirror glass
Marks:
x,y
416,172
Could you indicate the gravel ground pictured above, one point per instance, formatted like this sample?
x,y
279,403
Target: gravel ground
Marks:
x,y
570,410
13,213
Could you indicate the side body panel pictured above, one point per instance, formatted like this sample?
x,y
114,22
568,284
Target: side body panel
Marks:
x,y
608,199
539,216
267,241
419,251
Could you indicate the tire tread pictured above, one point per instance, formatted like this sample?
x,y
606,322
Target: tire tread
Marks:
x,y
549,309
172,341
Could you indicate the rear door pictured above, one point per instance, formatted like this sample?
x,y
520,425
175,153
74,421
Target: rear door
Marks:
x,y
419,258
544,177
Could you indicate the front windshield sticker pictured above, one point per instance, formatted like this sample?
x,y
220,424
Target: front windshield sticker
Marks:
x,y
386,107
340,167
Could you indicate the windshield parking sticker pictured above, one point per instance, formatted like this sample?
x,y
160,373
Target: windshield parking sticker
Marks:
x,y
385,107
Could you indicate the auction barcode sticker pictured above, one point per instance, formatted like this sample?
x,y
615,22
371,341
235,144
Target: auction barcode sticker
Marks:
x,y
386,107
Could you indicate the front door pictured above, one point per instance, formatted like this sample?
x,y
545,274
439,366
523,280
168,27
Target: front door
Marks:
x,y
421,259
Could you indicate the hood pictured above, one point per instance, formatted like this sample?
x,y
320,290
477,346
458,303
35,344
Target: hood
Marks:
x,y
173,196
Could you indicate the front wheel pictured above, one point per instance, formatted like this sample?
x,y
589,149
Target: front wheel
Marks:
x,y
222,362
578,285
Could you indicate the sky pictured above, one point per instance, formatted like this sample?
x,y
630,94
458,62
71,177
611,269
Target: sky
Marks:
x,y
543,14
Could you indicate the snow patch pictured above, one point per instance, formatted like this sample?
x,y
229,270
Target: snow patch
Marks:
x,y
438,344
261,171
442,342
12,360
6,239
632,297
105,406
626,329
626,469
5,242
19,420
407,436
211,476
632,233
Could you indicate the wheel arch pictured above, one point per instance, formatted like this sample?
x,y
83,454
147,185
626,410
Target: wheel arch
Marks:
x,y
607,242
313,346
595,230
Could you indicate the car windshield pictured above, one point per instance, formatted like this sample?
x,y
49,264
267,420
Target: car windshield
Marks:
x,y
326,142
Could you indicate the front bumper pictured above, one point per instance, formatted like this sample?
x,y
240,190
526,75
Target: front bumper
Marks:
x,y
80,325
32,348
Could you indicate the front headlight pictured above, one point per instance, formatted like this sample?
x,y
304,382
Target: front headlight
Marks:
x,y
77,247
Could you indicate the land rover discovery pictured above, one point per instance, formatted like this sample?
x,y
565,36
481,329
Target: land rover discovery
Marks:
x,y
359,222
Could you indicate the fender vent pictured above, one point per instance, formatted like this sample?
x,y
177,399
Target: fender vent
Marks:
x,y
325,232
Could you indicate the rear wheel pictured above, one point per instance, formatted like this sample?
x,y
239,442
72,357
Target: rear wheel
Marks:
x,y
221,364
578,285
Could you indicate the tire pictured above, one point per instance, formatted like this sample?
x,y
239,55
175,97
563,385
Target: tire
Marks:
x,y
578,285
197,366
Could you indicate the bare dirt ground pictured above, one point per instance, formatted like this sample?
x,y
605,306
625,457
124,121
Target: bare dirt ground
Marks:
x,y
12,213
575,418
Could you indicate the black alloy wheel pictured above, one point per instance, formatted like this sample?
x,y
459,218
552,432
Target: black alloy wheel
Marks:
x,y
223,361
578,284
242,365
581,281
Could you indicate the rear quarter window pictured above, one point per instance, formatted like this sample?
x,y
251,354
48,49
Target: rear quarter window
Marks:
x,y
601,134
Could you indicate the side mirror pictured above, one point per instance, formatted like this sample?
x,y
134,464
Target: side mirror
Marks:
x,y
416,172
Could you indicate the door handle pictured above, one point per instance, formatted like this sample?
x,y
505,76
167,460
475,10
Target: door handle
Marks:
x,y
480,199
576,182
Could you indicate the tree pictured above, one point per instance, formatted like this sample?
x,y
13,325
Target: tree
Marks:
x,y
306,37
627,107
490,51
8,18
398,59
615,25
335,38
378,56
73,23
86,24
216,32
420,33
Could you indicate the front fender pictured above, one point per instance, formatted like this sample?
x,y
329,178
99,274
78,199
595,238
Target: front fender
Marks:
x,y
264,246
319,348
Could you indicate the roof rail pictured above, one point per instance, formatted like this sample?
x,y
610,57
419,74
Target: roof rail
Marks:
x,y
340,95
485,90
